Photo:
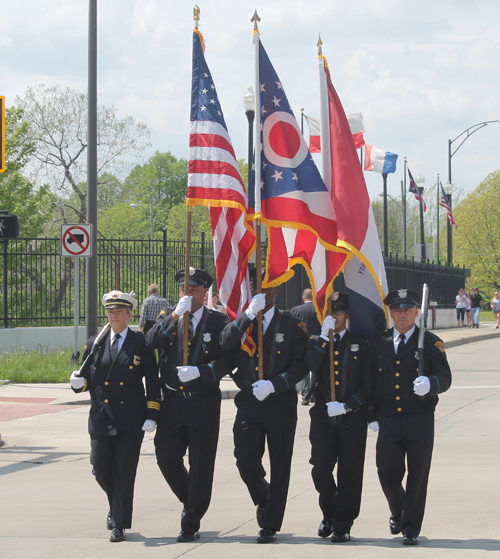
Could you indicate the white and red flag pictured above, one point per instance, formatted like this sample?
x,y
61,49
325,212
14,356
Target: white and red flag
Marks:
x,y
214,180
288,194
364,271
356,124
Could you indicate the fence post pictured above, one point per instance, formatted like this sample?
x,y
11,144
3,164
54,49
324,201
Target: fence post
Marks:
x,y
5,306
117,268
203,263
164,267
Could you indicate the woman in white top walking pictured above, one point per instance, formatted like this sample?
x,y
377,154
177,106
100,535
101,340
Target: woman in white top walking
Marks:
x,y
461,301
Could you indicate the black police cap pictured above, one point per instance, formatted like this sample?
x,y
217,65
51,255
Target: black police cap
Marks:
x,y
197,276
402,299
340,301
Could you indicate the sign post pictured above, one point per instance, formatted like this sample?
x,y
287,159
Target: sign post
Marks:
x,y
76,242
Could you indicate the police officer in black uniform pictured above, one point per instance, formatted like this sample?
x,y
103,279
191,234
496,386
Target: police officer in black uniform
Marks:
x,y
120,411
338,425
190,411
267,408
403,410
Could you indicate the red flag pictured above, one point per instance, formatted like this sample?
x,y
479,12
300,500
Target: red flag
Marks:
x,y
364,271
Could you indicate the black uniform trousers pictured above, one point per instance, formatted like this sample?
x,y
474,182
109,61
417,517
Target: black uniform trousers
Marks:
x,y
114,460
190,424
342,444
410,436
273,419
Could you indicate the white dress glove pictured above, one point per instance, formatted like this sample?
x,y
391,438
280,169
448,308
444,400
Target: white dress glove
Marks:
x,y
149,425
257,304
374,426
421,386
328,324
184,305
76,381
335,408
262,389
187,373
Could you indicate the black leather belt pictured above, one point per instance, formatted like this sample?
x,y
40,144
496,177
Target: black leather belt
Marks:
x,y
181,393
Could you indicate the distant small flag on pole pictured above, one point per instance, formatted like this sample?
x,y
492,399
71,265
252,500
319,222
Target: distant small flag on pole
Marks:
x,y
446,205
415,191
355,124
314,138
379,160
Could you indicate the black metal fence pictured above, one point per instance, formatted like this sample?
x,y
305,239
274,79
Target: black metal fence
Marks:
x,y
39,290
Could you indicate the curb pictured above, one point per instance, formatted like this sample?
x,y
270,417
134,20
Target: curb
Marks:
x,y
471,339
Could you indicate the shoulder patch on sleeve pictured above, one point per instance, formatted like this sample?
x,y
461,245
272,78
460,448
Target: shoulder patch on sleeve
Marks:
x,y
303,326
440,346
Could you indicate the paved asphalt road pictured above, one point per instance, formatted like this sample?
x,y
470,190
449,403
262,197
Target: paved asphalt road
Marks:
x,y
52,508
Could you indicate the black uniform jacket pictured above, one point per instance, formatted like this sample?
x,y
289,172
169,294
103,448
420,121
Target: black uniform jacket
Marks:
x,y
394,375
307,313
284,345
204,350
116,387
354,380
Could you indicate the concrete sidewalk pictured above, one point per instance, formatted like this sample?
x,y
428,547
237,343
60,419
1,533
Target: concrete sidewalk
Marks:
x,y
52,507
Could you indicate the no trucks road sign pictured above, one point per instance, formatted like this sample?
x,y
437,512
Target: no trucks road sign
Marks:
x,y
76,240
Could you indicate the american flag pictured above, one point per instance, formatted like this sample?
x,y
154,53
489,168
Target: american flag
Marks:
x,y
414,190
443,202
296,206
214,180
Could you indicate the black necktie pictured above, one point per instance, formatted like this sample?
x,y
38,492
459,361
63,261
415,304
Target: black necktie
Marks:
x,y
190,327
401,344
114,346
336,338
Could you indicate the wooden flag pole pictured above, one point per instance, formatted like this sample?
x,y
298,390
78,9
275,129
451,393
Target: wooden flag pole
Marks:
x,y
332,357
187,259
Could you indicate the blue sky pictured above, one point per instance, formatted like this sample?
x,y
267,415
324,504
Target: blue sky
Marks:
x,y
420,72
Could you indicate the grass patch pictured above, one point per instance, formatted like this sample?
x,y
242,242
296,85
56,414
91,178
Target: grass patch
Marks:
x,y
39,366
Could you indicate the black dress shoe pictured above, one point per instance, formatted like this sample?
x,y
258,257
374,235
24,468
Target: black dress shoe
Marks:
x,y
395,524
338,537
325,528
410,540
117,535
109,521
266,535
188,536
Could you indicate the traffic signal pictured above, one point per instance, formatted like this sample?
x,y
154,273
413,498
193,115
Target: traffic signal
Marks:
x,y
2,134
9,226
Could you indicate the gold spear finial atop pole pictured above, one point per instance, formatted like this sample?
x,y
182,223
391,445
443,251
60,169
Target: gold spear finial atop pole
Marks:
x,y
255,19
196,15
320,42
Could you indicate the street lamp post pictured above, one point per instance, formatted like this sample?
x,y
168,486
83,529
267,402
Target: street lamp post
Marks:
x,y
448,188
249,104
385,195
420,180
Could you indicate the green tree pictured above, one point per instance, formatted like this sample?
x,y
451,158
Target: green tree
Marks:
x,y
476,241
58,132
200,221
17,194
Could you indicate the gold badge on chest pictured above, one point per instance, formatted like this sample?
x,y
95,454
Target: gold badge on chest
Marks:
x,y
137,360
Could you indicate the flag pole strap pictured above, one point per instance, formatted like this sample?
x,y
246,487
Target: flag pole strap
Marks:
x,y
332,358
